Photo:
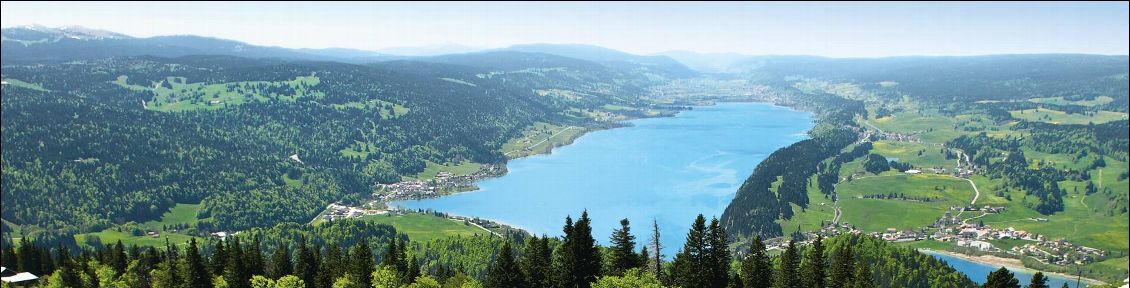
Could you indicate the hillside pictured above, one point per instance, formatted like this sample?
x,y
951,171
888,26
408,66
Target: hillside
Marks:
x,y
1031,143
243,136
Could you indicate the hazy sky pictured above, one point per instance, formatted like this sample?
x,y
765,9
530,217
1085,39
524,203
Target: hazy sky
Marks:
x,y
828,29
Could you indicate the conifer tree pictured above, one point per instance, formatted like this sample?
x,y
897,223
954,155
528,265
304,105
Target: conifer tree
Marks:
x,y
535,262
623,251
219,259
718,255
863,277
280,263
118,259
504,273
1002,278
1039,281
333,265
655,264
843,266
756,271
586,251
253,258
307,266
691,266
362,264
236,274
196,272
787,265
813,266
391,258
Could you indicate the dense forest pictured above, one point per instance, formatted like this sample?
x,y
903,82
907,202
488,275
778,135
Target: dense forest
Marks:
x,y
99,142
357,254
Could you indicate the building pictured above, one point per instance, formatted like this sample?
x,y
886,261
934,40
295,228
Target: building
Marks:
x,y
22,279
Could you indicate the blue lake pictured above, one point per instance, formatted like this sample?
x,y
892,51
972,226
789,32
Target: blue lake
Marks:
x,y
668,169
979,272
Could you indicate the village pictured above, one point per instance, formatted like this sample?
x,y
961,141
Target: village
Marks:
x,y
444,183
979,238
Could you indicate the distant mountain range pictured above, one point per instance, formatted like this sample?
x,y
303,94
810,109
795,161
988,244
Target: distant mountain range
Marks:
x,y
37,44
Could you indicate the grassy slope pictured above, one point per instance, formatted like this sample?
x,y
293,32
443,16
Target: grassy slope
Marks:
x,y
176,98
1084,220
1060,117
540,138
179,214
880,214
421,228
432,168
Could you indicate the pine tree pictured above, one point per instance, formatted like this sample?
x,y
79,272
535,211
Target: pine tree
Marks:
x,y
118,259
197,273
863,277
219,259
391,258
691,267
564,261
1039,281
69,270
718,255
535,262
813,267
655,265
586,251
334,265
843,265
280,263
362,264
307,266
253,258
1002,278
787,265
236,273
623,251
756,270
504,273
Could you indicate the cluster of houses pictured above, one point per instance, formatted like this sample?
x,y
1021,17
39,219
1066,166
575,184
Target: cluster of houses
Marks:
x,y
443,182
336,212
897,136
406,190
1060,252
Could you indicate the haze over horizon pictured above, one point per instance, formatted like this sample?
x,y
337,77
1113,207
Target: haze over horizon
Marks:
x,y
822,29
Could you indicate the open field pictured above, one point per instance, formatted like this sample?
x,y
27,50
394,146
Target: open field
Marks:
x,y
819,211
1060,117
22,84
432,168
907,152
873,215
180,214
175,94
110,236
421,228
1060,101
540,138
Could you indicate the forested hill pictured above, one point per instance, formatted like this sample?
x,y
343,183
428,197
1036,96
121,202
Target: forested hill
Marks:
x,y
90,143
1062,108
958,79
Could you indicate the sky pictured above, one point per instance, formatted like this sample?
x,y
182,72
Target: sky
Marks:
x,y
861,29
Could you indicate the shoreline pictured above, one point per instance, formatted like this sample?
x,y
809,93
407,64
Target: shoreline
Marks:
x,y
1010,263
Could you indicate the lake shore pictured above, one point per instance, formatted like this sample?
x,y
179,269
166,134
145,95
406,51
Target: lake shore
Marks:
x,y
1010,263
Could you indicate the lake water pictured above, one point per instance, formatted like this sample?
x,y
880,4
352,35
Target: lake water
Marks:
x,y
978,271
668,169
